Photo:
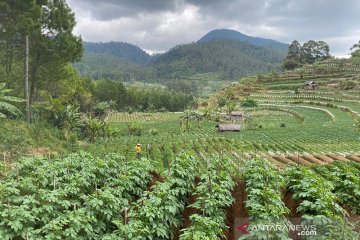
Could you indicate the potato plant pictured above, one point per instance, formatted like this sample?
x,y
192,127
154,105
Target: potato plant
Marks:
x,y
76,197
157,213
264,199
318,204
213,194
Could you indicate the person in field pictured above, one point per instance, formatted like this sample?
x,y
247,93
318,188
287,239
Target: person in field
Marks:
x,y
138,150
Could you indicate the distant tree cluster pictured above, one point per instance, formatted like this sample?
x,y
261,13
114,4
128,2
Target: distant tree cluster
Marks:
x,y
230,59
355,50
48,24
139,99
310,52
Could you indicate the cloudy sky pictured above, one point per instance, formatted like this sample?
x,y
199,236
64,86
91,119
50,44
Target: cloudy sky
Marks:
x,y
158,25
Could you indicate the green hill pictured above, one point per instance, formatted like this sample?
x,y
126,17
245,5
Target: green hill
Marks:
x,y
222,34
230,59
107,66
121,50
227,59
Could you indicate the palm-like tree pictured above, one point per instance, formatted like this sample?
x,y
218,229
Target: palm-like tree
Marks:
x,y
6,108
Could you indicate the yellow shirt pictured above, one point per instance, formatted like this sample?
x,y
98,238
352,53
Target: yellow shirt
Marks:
x,y
138,149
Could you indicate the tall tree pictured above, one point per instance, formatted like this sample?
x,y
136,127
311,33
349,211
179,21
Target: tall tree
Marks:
x,y
293,58
355,50
49,25
313,51
54,45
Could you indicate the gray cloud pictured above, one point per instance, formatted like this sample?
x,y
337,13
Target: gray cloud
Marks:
x,y
158,25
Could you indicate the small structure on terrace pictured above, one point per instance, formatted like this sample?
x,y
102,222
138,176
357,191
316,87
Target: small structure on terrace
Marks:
x,y
310,85
228,127
237,116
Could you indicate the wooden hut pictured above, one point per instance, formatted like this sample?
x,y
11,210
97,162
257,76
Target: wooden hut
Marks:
x,y
237,116
310,85
228,127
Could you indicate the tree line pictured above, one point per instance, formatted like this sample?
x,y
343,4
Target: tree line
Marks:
x,y
310,52
37,49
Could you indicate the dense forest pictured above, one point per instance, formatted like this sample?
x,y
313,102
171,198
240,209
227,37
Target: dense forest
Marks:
x,y
221,34
37,49
229,59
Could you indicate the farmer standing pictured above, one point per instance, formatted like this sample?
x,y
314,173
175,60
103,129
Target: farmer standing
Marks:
x,y
138,150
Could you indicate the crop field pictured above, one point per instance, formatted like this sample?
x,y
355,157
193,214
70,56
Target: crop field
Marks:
x,y
317,128
115,197
293,166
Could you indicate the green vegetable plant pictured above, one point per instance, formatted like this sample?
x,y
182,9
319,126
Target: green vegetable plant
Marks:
x,y
213,194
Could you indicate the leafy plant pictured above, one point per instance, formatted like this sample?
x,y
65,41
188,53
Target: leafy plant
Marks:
x,y
156,213
6,108
264,199
213,195
318,204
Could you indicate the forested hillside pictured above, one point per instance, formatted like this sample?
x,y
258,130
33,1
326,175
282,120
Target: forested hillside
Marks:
x,y
221,34
119,50
106,66
230,59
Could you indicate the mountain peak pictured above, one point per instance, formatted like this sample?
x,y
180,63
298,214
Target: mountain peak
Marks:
x,y
229,34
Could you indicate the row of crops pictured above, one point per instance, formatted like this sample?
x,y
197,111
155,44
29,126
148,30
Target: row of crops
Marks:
x,y
142,117
85,197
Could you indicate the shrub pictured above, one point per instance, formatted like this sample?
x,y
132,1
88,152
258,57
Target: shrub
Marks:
x,y
135,129
282,125
248,103
153,131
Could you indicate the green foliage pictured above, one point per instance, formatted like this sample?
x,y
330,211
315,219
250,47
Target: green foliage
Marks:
x,y
264,199
346,181
94,128
263,184
6,107
156,213
102,107
139,99
213,195
355,50
230,59
153,131
248,103
318,204
347,85
221,102
15,136
77,197
135,129
310,52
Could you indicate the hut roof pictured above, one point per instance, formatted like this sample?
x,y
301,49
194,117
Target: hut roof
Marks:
x,y
228,127
310,82
237,113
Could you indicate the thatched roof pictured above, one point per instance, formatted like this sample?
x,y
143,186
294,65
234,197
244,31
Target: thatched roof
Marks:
x,y
310,83
237,113
228,127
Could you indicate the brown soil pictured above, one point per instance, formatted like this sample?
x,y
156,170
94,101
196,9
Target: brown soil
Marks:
x,y
283,159
236,214
278,164
299,160
156,177
353,158
291,204
337,157
324,158
188,211
293,216
312,159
